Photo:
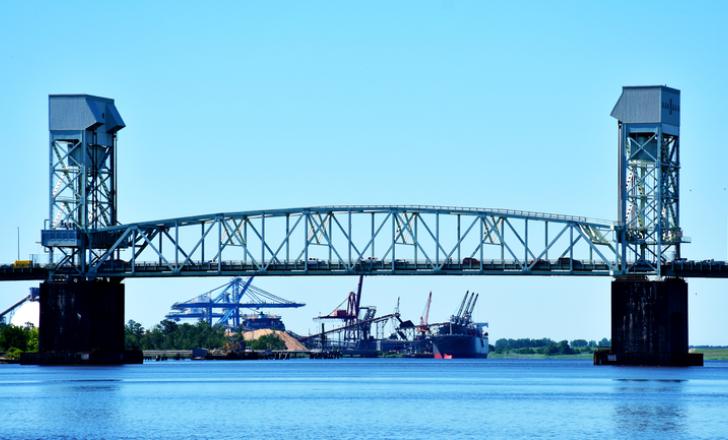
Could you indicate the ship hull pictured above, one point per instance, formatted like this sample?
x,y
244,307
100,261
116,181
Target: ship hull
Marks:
x,y
460,346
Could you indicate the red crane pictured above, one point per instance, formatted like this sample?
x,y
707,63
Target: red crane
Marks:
x,y
424,326
351,316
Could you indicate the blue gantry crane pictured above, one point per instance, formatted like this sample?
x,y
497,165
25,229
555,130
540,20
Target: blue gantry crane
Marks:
x,y
223,303
7,314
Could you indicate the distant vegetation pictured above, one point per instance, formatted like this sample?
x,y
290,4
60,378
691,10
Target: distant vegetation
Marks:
x,y
15,340
547,346
267,342
712,352
168,335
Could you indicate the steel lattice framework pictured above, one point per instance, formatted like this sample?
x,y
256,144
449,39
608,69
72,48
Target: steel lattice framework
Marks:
x,y
347,240
651,195
649,175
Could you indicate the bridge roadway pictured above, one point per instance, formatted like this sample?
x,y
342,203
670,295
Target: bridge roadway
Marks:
x,y
682,268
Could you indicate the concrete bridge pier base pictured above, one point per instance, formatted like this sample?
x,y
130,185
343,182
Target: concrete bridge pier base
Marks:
x,y
649,324
82,322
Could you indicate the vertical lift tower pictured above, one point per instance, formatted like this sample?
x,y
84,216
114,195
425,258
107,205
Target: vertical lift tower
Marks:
x,y
81,319
649,316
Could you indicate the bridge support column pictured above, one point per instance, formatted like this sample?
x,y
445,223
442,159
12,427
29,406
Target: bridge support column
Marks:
x,y
649,324
81,322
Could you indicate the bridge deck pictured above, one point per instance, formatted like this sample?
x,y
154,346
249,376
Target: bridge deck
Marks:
x,y
686,269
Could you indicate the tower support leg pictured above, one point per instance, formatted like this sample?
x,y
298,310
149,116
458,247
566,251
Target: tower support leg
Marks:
x,y
649,324
81,322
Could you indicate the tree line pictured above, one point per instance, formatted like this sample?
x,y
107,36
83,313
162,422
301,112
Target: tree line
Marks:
x,y
15,340
548,346
169,335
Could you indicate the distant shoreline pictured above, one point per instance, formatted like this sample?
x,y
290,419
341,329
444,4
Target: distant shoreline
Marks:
x,y
709,354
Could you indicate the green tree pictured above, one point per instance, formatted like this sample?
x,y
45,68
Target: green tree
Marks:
x,y
32,338
168,335
133,335
564,348
14,353
267,342
14,337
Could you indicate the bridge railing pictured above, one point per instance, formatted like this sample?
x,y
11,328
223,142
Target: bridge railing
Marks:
x,y
317,267
123,269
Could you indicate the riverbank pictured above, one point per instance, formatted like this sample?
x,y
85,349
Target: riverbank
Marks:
x,y
709,354
494,355
712,354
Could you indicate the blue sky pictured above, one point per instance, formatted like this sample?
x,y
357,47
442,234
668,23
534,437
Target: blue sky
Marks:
x,y
276,104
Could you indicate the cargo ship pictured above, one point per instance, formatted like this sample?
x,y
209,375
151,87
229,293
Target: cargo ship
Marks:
x,y
461,337
262,320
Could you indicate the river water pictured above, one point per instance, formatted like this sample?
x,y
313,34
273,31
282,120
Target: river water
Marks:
x,y
364,398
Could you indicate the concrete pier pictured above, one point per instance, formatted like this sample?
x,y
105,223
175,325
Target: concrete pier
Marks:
x,y
649,324
81,322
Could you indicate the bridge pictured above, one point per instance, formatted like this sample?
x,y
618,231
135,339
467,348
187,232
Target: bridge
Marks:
x,y
348,240
90,252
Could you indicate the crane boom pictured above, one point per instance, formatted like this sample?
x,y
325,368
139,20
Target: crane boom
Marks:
x,y
472,306
462,304
427,308
467,306
425,318
358,294
424,326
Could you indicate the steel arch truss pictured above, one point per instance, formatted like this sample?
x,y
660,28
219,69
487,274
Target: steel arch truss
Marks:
x,y
345,240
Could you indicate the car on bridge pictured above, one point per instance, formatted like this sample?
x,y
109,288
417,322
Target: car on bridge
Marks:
x,y
567,262
112,265
539,264
401,263
22,264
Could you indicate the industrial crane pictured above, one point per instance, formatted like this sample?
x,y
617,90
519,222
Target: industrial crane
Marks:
x,y
351,316
424,326
465,311
224,303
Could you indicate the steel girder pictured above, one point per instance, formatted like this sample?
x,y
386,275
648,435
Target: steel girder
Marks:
x,y
345,240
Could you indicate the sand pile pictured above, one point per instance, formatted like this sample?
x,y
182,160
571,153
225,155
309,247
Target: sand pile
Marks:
x,y
292,344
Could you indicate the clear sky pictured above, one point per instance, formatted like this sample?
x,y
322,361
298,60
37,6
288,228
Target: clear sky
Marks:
x,y
236,106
